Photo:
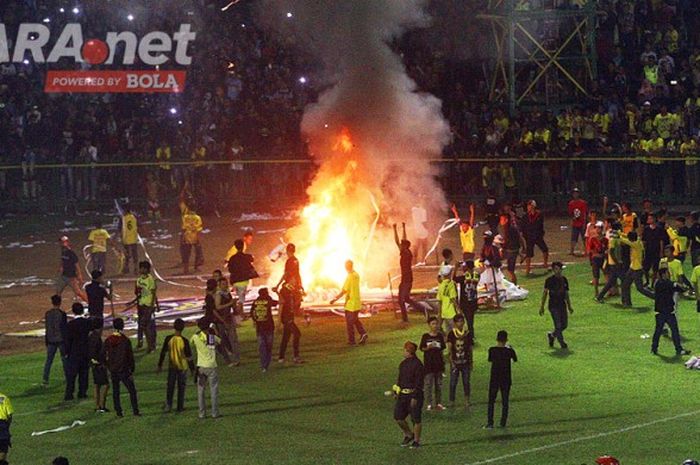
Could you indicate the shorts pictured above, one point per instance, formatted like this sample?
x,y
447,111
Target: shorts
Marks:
x,y
5,445
403,408
530,246
511,257
596,266
99,375
576,232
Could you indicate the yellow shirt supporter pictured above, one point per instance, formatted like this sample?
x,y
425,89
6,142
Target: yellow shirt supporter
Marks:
x,y
146,286
680,243
675,268
130,232
205,346
636,253
98,237
466,239
353,303
695,281
6,410
631,122
191,227
665,124
447,295
689,150
602,120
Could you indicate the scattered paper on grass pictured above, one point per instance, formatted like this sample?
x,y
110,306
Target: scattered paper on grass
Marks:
x,y
59,429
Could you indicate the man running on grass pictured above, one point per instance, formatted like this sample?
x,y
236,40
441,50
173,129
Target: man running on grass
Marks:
x,y
409,396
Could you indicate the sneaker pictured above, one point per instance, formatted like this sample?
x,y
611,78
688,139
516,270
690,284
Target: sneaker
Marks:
x,y
600,301
550,339
352,344
565,346
502,426
487,427
439,407
264,370
298,360
103,410
137,413
414,445
167,409
120,414
281,360
429,407
202,417
407,440
654,352
683,352
363,338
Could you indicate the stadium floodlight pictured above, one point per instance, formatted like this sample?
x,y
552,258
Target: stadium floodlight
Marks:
x,y
130,17
302,80
76,10
173,111
179,122
62,10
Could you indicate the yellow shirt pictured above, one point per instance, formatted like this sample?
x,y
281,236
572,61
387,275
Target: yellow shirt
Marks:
x,y
205,346
689,151
353,303
163,155
98,237
130,232
664,124
503,123
147,290
675,268
467,240
447,295
631,122
636,253
695,281
191,227
602,120
6,410
231,252
680,243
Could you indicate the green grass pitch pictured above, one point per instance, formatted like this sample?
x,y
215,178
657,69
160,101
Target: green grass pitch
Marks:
x,y
566,408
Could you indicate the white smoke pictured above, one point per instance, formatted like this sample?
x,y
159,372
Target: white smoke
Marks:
x,y
395,128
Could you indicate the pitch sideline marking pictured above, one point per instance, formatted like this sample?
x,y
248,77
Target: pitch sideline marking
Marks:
x,y
586,438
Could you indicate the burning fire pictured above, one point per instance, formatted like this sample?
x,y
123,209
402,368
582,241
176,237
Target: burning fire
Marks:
x,y
338,223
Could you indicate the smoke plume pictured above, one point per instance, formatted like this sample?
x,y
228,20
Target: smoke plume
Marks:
x,y
372,132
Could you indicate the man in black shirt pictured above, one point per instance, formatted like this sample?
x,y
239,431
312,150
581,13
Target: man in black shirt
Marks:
x,y
71,275
78,360
500,357
432,344
556,287
291,292
261,313
96,294
664,306
409,396
460,344
652,237
100,377
55,336
406,262
468,295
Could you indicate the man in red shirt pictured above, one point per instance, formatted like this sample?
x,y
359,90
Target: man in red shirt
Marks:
x,y
578,211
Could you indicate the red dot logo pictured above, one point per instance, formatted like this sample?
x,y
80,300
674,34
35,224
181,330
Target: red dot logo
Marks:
x,y
95,51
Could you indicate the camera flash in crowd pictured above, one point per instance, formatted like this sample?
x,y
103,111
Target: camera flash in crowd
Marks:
x,y
76,10
47,20
289,14
302,80
130,17
173,111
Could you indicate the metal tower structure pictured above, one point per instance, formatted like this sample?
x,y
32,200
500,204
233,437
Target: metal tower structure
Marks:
x,y
545,52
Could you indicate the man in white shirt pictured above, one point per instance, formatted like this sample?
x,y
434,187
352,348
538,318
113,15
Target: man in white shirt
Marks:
x,y
420,232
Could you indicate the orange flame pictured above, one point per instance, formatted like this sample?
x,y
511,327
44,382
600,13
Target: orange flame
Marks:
x,y
344,143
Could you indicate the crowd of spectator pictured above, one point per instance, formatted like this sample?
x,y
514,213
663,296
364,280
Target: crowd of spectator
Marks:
x,y
247,87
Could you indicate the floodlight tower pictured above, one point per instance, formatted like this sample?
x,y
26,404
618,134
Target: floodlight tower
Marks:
x,y
545,52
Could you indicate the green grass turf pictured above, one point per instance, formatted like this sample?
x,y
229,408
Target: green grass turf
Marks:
x,y
332,410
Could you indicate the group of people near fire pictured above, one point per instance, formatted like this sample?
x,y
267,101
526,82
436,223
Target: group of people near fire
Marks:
x,y
645,249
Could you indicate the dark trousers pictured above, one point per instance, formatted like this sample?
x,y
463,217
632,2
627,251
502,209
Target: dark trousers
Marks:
x,y
455,373
146,326
131,251
178,377
352,321
560,318
186,251
265,341
616,273
633,276
670,320
51,349
469,309
405,298
98,261
494,387
77,368
290,329
695,257
225,348
128,380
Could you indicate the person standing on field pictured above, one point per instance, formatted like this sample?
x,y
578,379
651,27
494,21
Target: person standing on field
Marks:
x,y
128,225
353,304
578,211
54,336
556,287
406,264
